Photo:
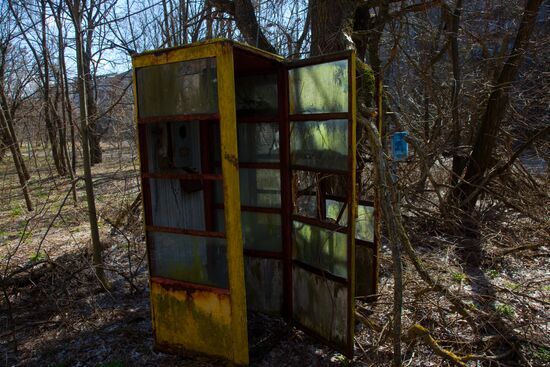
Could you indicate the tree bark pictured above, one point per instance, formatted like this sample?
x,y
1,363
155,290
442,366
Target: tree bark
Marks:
x,y
331,25
50,126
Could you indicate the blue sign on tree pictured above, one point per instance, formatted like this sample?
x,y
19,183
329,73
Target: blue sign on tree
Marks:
x,y
399,147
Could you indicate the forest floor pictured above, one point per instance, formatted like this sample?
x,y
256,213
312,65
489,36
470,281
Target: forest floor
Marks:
x,y
57,314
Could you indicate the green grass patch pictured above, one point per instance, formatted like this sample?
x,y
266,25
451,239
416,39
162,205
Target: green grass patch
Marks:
x,y
458,277
16,212
543,354
493,274
505,309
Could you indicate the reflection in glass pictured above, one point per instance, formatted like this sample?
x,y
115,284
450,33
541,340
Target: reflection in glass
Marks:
x,y
321,248
193,259
319,144
258,142
258,187
187,87
364,227
261,231
321,88
256,94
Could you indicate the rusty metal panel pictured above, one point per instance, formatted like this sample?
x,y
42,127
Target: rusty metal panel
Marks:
x,y
264,284
321,305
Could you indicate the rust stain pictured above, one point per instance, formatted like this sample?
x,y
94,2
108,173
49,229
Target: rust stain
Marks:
x,y
232,159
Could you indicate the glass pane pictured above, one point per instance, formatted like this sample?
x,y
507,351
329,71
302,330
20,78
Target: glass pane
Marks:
x,y
173,204
256,94
319,144
321,305
258,142
259,188
174,147
321,248
261,231
193,259
179,88
321,88
364,226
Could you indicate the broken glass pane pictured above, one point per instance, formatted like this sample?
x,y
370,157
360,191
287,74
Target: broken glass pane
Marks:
x,y
321,248
180,88
319,144
193,259
337,212
321,88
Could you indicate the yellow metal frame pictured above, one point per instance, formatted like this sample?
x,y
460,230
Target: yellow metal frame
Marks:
x,y
199,320
353,196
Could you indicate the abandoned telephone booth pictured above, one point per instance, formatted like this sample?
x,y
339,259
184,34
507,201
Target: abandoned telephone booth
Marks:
x,y
248,171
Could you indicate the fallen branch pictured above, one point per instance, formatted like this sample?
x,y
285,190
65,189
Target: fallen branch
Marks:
x,y
417,331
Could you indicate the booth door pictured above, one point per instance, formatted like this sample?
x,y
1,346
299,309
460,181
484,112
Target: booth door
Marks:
x,y
196,270
321,115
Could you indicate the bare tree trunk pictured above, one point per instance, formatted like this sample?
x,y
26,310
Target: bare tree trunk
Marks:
x,y
459,161
84,127
50,127
17,160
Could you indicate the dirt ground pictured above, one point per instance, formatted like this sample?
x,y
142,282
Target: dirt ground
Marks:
x,y
57,314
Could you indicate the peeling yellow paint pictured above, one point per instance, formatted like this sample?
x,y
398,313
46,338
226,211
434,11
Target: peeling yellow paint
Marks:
x,y
232,200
